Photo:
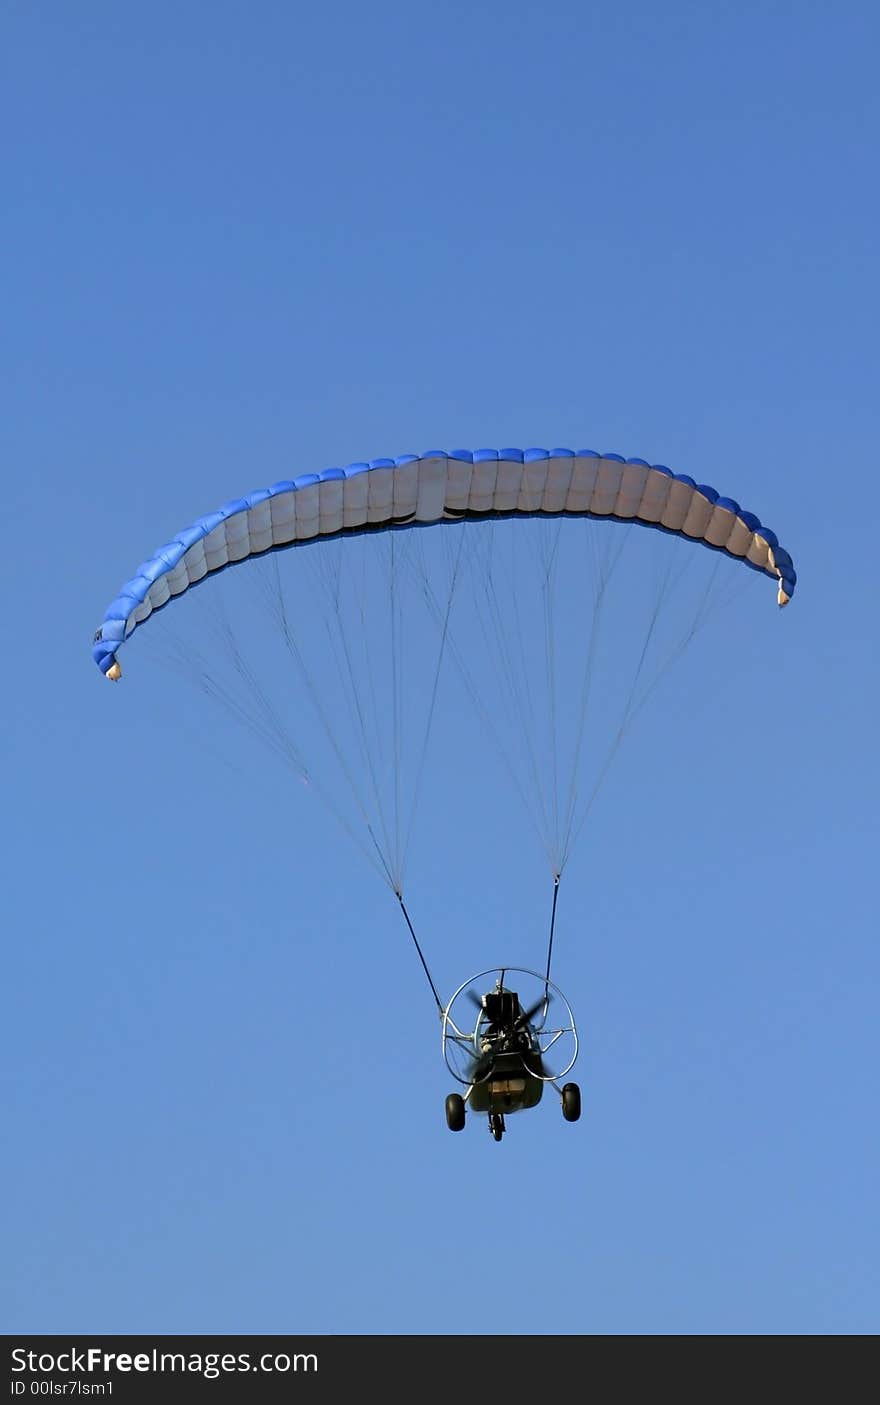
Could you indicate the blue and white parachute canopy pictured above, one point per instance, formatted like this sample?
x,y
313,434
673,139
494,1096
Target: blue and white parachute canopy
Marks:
x,y
424,489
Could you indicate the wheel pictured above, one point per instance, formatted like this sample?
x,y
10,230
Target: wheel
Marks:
x,y
455,1112
496,1125
571,1102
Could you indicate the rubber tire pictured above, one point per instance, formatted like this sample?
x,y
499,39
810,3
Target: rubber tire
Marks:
x,y
571,1102
455,1112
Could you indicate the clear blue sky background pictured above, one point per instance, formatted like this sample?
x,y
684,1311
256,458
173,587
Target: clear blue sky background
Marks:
x,y
242,242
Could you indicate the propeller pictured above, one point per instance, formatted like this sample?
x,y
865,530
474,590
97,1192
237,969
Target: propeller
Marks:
x,y
481,1065
481,1068
528,1015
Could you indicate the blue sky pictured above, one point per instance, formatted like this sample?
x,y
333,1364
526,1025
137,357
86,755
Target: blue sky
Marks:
x,y
242,244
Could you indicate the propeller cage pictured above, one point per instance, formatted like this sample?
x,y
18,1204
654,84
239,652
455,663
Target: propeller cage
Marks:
x,y
545,1028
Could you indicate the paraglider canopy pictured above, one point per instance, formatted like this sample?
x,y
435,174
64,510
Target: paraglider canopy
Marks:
x,y
514,593
440,487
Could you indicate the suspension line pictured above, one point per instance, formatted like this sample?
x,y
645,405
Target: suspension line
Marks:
x,y
419,950
556,878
